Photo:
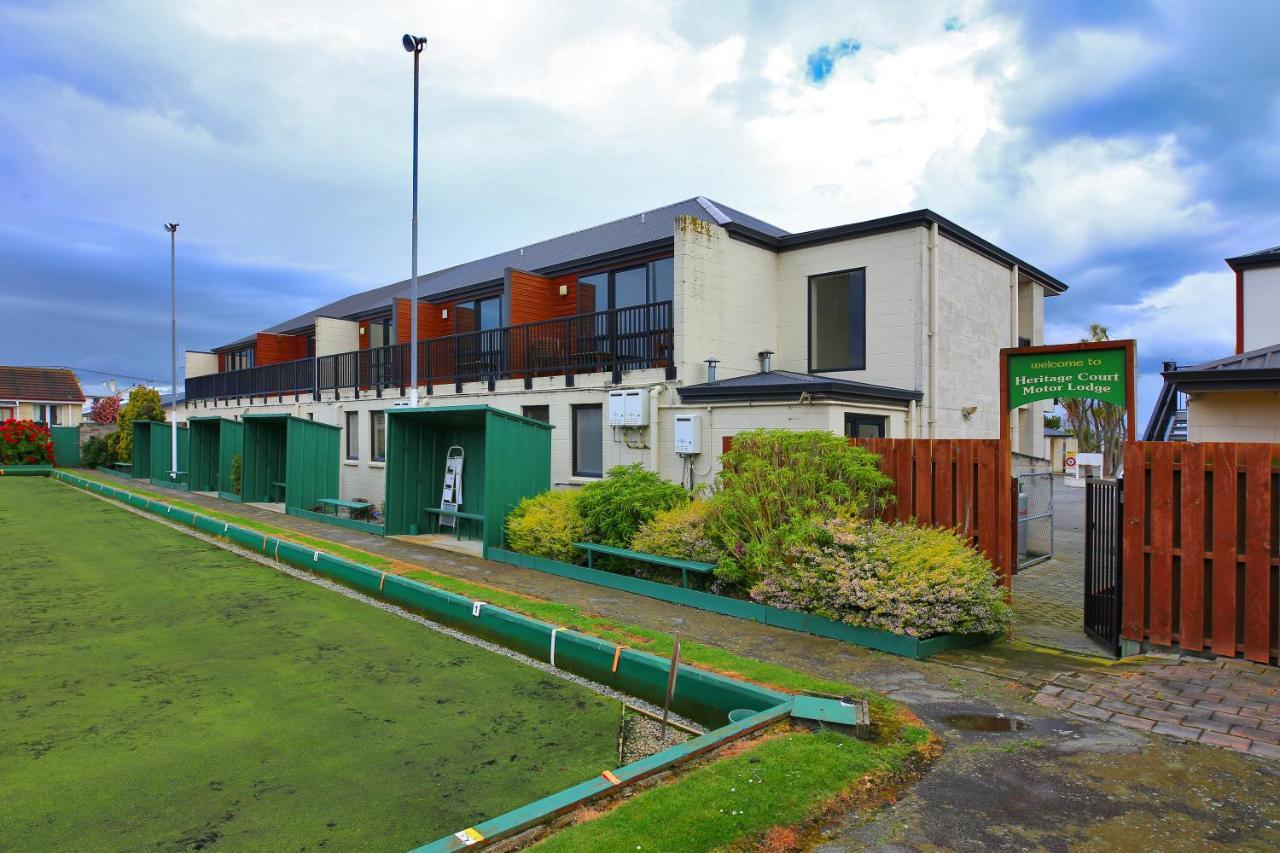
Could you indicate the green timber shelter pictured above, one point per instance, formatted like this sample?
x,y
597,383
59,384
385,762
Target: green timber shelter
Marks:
x,y
290,460
215,443
152,457
506,458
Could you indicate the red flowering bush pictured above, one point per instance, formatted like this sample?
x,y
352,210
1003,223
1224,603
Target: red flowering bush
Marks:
x,y
25,443
105,410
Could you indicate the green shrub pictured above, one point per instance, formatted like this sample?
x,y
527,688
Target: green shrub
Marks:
x,y
547,525
615,507
680,532
237,473
97,452
143,405
776,486
918,581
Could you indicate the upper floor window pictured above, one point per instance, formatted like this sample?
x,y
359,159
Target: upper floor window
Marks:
x,y
476,315
627,287
380,333
838,321
239,359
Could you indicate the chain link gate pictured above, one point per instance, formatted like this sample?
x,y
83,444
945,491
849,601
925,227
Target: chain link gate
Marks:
x,y
1035,518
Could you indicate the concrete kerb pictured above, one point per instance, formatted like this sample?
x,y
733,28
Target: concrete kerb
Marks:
x,y
705,697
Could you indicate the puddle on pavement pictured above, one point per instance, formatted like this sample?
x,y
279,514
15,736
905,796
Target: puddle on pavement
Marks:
x,y
986,723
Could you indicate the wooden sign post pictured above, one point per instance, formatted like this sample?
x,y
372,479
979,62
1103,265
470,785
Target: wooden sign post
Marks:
x,y
1096,370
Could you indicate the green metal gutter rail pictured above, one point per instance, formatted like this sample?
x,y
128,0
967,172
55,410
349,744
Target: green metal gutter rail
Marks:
x,y
793,620
25,470
704,697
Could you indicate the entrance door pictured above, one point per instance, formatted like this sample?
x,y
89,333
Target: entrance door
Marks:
x,y
1103,565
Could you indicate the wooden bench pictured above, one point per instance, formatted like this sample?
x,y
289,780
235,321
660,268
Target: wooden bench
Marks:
x,y
177,476
123,467
455,514
685,566
352,507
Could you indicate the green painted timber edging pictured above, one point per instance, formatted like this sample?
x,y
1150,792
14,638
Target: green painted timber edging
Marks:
x,y
792,620
338,521
25,470
705,697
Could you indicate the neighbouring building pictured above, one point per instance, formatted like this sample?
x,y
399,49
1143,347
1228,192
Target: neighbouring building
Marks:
x,y
50,395
651,338
1058,443
1236,398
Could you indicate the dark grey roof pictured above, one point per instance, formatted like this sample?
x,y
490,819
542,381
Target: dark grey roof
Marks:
x,y
786,385
1057,432
1266,358
1261,258
620,235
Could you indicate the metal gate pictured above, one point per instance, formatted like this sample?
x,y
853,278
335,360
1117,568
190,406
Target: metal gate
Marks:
x,y
1103,566
1035,518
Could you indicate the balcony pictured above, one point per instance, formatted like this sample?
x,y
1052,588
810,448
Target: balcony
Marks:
x,y
635,338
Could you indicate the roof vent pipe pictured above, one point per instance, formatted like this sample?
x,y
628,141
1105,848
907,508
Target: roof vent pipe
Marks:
x,y
711,369
766,360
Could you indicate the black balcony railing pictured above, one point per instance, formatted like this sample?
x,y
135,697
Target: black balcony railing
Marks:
x,y
614,341
286,377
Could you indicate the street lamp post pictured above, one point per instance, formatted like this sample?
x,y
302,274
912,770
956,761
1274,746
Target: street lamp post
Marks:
x,y
415,45
172,228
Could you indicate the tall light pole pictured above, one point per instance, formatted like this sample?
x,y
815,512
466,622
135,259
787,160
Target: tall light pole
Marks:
x,y
172,228
415,45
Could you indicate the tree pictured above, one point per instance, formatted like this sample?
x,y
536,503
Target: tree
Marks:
x,y
1099,427
1053,421
144,405
105,410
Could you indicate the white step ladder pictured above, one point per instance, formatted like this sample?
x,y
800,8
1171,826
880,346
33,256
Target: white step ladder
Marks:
x,y
451,494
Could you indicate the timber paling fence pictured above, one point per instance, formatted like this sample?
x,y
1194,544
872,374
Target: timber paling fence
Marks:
x,y
703,696
1200,546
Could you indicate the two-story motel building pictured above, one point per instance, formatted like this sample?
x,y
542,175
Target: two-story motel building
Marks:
x,y
720,321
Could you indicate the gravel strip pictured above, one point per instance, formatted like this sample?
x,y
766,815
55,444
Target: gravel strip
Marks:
x,y
401,612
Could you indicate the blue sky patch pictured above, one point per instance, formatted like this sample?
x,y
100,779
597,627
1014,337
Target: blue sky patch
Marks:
x,y
822,61
953,24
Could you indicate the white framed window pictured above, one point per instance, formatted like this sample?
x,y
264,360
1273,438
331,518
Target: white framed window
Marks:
x,y
378,436
353,435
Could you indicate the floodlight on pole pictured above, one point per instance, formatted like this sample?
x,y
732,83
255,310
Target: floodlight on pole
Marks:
x,y
414,45
172,228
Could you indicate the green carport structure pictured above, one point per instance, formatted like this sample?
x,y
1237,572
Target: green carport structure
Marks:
x,y
215,443
152,457
289,460
505,458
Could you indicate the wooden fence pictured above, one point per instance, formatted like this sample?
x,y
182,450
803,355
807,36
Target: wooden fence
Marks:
x,y
962,483
1200,547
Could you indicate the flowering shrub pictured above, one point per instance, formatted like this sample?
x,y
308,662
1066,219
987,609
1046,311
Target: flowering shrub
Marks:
x,y
615,507
547,525
776,486
918,581
681,533
25,443
105,410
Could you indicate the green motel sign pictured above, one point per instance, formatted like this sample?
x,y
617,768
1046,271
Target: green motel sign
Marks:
x,y
1098,374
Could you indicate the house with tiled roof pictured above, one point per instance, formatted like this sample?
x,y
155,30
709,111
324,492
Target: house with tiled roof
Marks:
x,y
1236,398
50,395
886,327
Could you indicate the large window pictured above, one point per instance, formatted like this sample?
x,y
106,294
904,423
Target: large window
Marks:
x,y
865,426
477,315
380,333
638,285
838,321
353,435
240,359
378,436
588,442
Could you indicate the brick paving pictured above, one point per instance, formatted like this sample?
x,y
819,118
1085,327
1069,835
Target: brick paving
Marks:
x,y
1231,704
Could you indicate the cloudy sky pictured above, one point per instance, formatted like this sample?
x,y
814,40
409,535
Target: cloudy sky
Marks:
x,y
1126,148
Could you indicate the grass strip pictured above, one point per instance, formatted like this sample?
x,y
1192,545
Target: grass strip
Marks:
x,y
759,797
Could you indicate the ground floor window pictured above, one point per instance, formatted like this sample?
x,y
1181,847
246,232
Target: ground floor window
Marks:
x,y
537,413
353,435
865,426
47,414
378,436
588,442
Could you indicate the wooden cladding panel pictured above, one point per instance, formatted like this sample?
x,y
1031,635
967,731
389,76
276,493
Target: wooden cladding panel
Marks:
x,y
1200,543
273,348
534,297
430,322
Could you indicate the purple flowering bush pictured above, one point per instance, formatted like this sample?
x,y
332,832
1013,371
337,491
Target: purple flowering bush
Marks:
x,y
917,581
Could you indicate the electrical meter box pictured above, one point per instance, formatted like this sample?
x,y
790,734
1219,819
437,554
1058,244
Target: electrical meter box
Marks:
x,y
629,407
688,434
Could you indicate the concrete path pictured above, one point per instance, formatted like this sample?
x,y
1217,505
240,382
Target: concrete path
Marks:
x,y
1063,782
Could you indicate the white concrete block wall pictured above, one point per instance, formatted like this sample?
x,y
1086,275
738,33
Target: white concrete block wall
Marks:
x,y
1261,307
335,336
894,271
1234,416
199,363
726,295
